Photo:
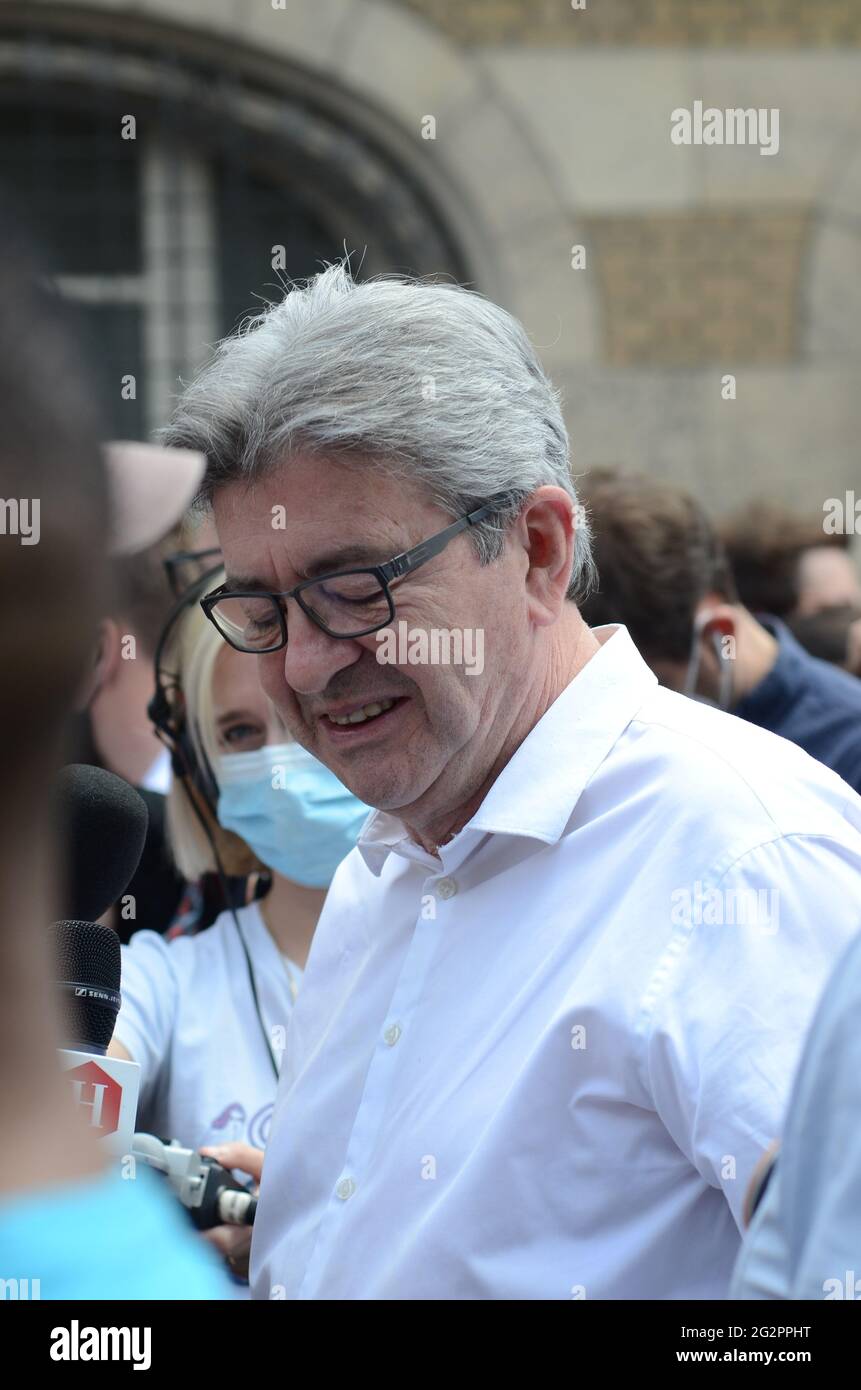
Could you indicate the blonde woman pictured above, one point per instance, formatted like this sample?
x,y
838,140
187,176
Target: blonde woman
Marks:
x,y
206,1016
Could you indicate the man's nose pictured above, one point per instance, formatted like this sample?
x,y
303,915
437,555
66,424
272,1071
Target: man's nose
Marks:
x,y
312,657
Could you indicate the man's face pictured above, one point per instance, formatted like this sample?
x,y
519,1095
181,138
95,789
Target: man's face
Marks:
x,y
437,742
827,578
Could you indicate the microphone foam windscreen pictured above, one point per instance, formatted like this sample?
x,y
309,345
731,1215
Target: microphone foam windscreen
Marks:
x,y
103,826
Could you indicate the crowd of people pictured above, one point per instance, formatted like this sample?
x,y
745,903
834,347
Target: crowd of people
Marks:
x,y
537,982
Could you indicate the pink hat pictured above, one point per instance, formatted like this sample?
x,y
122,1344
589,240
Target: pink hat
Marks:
x,y
150,489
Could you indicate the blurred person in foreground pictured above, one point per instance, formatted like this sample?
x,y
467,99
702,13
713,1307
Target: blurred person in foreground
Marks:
x,y
206,1015
538,1045
804,1241
664,573
111,728
66,1219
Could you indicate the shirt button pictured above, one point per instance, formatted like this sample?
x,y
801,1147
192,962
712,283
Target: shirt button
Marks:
x,y
392,1034
345,1189
446,888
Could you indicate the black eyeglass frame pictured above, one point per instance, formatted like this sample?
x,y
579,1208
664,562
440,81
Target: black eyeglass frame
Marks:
x,y
395,569
172,566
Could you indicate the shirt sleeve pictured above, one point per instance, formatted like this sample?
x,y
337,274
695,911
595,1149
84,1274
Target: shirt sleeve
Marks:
x,y
739,983
150,996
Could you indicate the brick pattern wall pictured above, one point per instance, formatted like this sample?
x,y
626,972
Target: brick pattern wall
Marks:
x,y
691,289
744,24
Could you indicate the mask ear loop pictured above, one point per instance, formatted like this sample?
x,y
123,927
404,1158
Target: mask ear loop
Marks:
x,y
172,729
692,675
724,662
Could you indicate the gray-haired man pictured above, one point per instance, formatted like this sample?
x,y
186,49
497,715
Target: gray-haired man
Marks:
x,y
556,994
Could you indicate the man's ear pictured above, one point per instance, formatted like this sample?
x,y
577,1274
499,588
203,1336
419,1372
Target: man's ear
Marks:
x,y
546,531
716,618
715,623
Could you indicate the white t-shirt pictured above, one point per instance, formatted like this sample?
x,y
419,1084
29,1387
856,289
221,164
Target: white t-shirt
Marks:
x,y
188,1018
158,774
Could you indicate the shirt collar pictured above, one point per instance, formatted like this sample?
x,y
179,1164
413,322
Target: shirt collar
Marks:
x,y
537,790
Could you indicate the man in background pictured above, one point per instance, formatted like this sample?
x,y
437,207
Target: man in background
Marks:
x,y
664,573
786,566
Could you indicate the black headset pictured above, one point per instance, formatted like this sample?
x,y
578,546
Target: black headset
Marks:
x,y
168,716
192,767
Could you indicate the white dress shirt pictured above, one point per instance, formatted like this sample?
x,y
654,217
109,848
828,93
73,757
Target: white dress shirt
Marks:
x,y
543,1064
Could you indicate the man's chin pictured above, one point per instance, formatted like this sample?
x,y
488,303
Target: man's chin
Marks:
x,y
403,799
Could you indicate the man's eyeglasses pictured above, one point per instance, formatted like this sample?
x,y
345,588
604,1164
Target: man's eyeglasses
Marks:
x,y
348,603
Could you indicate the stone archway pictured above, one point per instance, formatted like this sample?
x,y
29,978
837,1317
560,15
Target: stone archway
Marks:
x,y
350,83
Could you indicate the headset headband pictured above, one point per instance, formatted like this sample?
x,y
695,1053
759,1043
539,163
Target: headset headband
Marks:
x,y
167,718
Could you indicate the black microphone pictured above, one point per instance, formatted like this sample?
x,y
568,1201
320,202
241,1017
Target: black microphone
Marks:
x,y
87,965
103,825
105,1089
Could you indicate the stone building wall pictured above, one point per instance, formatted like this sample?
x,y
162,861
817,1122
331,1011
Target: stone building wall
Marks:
x,y
647,272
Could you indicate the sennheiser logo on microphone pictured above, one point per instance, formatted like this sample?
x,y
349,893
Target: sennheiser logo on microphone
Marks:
x,y
108,998
89,991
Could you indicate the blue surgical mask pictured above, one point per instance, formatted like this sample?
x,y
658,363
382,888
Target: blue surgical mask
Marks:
x,y
290,810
